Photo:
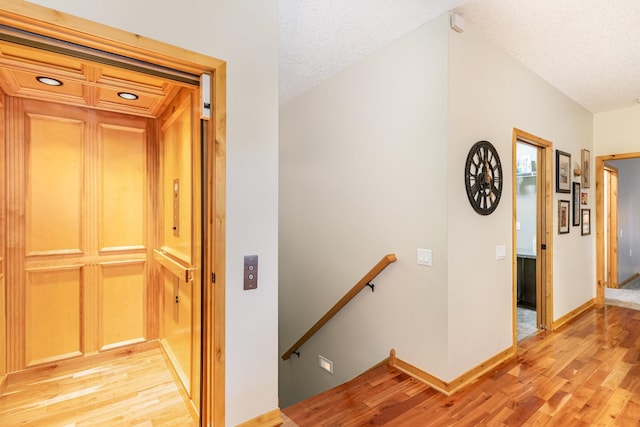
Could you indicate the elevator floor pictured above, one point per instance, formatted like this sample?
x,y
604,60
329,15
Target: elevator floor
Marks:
x,y
127,387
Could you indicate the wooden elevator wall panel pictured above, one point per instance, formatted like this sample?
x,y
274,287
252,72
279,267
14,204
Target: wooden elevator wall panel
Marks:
x,y
154,302
3,311
123,197
78,195
181,313
177,325
15,249
54,184
122,305
3,323
176,137
53,314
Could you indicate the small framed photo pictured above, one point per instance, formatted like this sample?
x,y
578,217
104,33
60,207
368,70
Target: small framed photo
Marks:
x,y
584,198
586,222
586,163
563,172
576,204
563,216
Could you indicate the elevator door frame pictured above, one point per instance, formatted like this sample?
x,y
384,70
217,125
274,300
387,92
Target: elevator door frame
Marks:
x,y
136,49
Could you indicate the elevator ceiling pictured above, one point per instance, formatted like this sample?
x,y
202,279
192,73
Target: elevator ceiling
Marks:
x,y
84,83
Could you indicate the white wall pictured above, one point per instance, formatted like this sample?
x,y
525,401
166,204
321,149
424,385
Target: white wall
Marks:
x,y
371,162
363,174
617,131
243,33
490,93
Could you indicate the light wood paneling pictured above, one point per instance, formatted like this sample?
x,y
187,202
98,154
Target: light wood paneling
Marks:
x,y
180,254
80,179
53,328
59,26
15,249
3,325
122,303
177,325
123,198
85,83
3,301
54,149
176,139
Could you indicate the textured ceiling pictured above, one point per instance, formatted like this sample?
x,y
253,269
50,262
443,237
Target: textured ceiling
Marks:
x,y
318,38
588,49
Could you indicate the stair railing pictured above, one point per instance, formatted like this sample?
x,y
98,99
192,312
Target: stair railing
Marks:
x,y
365,281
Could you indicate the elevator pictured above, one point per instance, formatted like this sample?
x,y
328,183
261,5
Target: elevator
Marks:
x,y
101,212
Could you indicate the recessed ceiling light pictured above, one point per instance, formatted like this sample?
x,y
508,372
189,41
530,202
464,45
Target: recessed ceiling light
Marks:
x,y
128,95
49,81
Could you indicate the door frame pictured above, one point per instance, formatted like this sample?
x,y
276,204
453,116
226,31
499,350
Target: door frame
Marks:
x,y
611,223
544,231
600,221
83,33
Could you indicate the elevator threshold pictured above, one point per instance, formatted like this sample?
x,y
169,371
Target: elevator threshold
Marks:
x,y
129,386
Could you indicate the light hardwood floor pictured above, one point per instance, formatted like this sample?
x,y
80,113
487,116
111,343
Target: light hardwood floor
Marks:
x,y
126,387
586,373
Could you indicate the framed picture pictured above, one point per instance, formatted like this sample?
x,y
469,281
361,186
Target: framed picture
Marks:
x,y
586,221
583,198
563,216
563,172
586,162
576,204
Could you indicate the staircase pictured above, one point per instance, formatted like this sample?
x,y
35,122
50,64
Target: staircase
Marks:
x,y
380,396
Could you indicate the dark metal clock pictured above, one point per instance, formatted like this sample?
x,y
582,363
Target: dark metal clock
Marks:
x,y
483,177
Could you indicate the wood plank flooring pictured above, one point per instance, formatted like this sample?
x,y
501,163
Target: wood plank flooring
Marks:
x,y
585,373
126,387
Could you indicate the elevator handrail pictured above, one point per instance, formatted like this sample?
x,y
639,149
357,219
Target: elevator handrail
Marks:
x,y
377,269
175,267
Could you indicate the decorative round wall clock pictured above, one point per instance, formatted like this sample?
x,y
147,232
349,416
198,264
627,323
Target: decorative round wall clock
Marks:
x,y
483,177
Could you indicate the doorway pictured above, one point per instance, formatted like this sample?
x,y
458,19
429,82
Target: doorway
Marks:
x,y
99,273
613,239
532,235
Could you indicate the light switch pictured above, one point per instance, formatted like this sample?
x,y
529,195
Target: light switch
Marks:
x,y
501,252
250,272
424,257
